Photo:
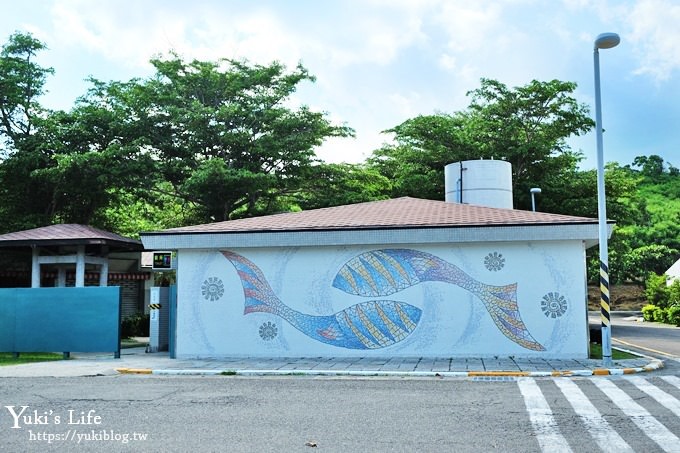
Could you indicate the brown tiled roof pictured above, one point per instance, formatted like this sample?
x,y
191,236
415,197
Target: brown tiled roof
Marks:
x,y
67,234
405,212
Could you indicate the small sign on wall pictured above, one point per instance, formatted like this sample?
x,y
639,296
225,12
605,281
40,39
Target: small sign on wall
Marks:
x,y
163,261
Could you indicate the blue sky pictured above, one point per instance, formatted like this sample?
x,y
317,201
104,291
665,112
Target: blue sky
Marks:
x,y
380,62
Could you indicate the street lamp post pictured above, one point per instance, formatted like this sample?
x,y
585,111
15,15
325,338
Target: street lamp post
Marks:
x,y
534,190
603,41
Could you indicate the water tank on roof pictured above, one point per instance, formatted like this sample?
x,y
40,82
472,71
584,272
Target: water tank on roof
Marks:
x,y
479,182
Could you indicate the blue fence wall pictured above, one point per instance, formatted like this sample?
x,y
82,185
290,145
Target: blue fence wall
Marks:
x,y
60,319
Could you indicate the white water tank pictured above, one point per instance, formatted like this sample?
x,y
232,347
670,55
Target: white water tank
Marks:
x,y
479,182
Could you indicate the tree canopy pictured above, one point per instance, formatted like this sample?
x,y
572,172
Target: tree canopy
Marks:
x,y
223,139
527,126
22,82
223,134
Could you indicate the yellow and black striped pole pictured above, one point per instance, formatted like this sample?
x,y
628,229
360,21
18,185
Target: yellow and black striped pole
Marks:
x,y
604,314
603,41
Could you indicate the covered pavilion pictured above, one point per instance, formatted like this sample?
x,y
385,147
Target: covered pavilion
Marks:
x,y
66,246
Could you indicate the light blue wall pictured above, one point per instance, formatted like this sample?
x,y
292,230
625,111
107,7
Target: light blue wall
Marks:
x,y
520,299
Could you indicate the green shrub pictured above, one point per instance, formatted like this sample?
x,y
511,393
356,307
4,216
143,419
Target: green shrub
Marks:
x,y
648,312
673,314
657,291
136,325
659,314
674,293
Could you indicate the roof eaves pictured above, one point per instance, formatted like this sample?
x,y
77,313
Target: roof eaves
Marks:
x,y
136,245
587,232
176,232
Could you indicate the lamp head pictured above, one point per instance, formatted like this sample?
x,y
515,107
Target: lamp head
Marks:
x,y
535,190
607,40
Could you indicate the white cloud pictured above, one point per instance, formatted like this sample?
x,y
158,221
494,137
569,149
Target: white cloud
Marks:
x,y
130,36
350,150
259,36
200,31
466,72
366,36
471,26
99,28
492,39
576,4
406,105
656,37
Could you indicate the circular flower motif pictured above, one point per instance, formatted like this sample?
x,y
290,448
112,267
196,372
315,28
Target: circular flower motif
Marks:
x,y
212,288
553,305
494,261
268,331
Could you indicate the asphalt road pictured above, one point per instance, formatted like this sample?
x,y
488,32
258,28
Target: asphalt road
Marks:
x,y
301,414
266,414
293,414
660,340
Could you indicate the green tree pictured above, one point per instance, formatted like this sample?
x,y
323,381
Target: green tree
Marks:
x,y
526,126
650,166
132,213
223,133
423,146
58,166
645,205
81,160
649,259
624,206
22,82
339,184
657,290
659,187
216,139
23,197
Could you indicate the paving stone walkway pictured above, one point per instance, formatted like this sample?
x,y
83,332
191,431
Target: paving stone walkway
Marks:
x,y
135,360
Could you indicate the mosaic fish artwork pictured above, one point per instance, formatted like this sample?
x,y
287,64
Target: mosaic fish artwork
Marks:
x,y
368,325
383,272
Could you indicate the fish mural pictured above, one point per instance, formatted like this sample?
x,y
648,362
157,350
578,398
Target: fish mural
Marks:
x,y
383,272
367,325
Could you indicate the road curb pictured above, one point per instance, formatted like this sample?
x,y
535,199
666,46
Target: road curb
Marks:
x,y
134,370
652,366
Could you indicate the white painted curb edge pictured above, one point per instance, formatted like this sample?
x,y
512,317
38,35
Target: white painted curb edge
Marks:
x,y
654,364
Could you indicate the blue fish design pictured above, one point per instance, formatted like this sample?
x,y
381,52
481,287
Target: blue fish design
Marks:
x,y
387,271
367,325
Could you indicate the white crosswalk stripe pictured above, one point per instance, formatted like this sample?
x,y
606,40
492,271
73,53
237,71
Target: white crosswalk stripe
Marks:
x,y
605,436
649,425
657,394
542,420
673,380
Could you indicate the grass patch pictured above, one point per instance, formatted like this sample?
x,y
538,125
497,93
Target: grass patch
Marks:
x,y
596,353
6,358
228,373
126,343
